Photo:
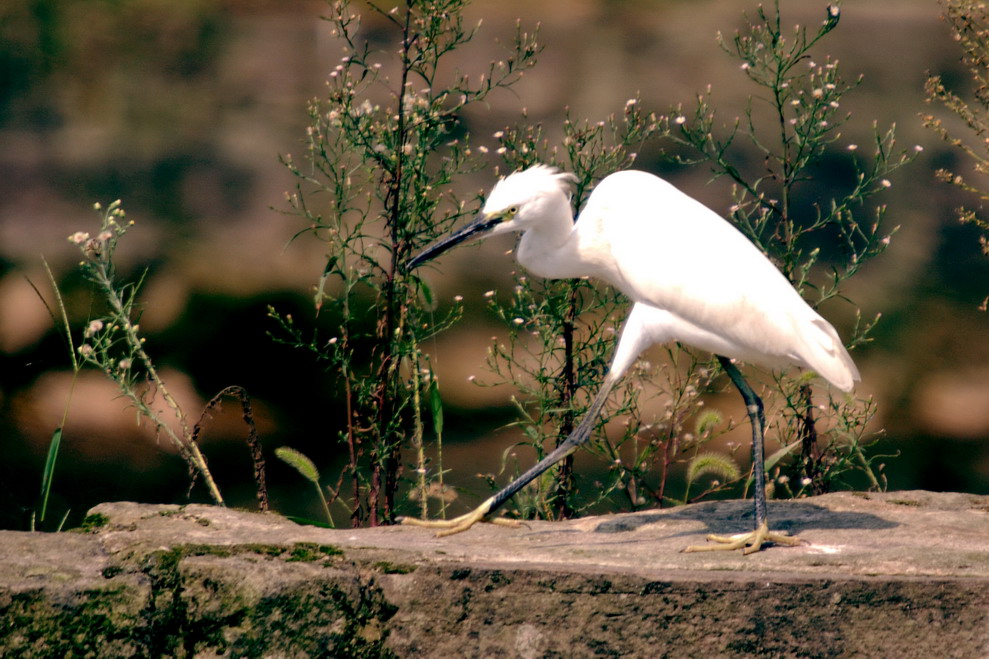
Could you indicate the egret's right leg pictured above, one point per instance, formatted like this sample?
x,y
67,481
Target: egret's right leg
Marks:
x,y
753,541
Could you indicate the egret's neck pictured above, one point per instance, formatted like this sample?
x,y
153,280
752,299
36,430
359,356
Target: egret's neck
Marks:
x,y
551,248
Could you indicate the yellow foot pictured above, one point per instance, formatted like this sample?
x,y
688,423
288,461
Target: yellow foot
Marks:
x,y
462,523
748,542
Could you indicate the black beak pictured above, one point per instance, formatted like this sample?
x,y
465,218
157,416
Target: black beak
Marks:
x,y
480,226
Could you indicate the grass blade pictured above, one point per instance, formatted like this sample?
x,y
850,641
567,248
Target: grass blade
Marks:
x,y
48,474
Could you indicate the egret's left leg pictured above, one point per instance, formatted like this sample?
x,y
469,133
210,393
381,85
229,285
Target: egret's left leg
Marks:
x,y
483,512
462,523
750,542
645,325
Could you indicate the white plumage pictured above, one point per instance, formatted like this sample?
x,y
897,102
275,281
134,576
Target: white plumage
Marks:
x,y
707,284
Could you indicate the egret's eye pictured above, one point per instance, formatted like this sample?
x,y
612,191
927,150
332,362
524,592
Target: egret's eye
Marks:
x,y
512,211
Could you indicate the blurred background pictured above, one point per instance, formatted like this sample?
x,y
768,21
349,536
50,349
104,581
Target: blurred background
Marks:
x,y
182,108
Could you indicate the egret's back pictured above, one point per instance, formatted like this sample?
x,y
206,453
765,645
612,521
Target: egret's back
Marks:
x,y
665,249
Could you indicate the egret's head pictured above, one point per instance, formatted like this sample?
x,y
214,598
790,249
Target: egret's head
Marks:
x,y
516,203
521,199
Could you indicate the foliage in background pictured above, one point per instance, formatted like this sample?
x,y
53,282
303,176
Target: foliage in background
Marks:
x,y
969,21
383,149
793,122
112,343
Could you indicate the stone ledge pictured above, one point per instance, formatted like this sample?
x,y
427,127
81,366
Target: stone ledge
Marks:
x,y
896,574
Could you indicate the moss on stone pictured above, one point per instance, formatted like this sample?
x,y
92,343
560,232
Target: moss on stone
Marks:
x,y
308,552
92,523
387,567
97,622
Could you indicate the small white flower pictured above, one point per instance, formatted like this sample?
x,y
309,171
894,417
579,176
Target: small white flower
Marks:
x,y
105,235
630,102
124,364
458,298
332,341
471,378
885,183
79,237
918,148
679,121
517,321
93,327
85,350
852,147
489,294
805,481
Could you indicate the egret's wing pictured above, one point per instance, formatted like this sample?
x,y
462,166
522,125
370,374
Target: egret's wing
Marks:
x,y
672,252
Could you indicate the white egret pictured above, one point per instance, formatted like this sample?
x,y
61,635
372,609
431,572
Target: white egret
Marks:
x,y
694,278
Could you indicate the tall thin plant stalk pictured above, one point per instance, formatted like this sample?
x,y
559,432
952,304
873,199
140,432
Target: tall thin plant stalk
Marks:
x,y
383,153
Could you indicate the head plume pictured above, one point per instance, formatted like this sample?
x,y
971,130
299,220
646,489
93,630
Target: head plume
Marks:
x,y
538,179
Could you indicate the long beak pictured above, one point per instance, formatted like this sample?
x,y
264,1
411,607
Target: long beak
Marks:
x,y
477,228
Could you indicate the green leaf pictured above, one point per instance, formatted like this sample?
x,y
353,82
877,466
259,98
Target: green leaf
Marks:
x,y
305,521
327,271
427,292
49,472
717,464
773,459
436,406
301,463
779,455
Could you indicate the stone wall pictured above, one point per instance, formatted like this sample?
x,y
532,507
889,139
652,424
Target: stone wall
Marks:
x,y
899,574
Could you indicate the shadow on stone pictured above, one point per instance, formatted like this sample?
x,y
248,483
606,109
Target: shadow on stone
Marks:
x,y
725,517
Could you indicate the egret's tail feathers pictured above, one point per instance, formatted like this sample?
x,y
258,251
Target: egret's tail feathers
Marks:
x,y
826,355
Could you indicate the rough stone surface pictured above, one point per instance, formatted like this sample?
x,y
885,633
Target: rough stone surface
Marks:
x,y
902,574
